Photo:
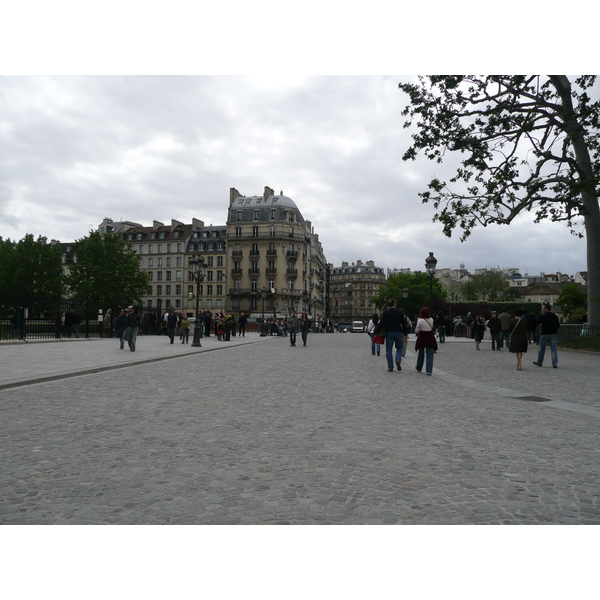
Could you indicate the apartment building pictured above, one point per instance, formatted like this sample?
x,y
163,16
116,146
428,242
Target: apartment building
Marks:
x,y
351,287
275,260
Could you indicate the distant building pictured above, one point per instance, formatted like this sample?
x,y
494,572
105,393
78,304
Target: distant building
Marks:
x,y
351,287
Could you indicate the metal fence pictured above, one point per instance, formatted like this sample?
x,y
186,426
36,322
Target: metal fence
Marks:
x,y
579,336
43,318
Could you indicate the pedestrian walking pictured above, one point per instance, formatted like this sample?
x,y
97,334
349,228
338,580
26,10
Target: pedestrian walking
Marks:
x,y
426,344
549,335
185,330
293,324
518,336
305,325
371,331
171,325
495,327
121,327
394,322
478,329
133,324
441,327
532,322
242,321
505,319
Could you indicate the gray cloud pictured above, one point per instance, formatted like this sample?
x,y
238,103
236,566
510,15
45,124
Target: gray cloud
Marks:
x,y
77,149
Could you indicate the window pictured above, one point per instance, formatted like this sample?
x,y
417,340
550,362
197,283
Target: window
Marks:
x,y
190,303
271,249
149,303
190,289
272,230
158,275
219,275
178,290
256,214
239,215
221,246
141,248
177,303
238,232
159,261
291,232
168,261
219,261
209,303
255,231
139,236
167,303
219,290
150,249
168,248
153,235
271,284
161,235
291,217
209,290
209,261
158,290
273,214
209,276
168,275
179,275
159,248
150,275
168,290
179,261
176,234
254,285
219,303
130,236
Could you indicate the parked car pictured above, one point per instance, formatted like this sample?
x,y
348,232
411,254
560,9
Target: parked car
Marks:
x,y
344,327
357,327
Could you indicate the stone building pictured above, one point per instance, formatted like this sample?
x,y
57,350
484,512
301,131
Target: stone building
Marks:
x,y
275,260
351,287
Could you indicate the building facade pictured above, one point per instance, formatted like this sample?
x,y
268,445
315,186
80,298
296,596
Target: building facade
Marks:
x,y
351,288
275,260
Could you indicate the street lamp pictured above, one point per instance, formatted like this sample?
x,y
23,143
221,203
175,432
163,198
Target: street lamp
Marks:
x,y
198,267
405,293
430,263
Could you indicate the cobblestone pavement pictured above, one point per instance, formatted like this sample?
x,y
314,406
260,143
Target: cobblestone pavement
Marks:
x,y
263,433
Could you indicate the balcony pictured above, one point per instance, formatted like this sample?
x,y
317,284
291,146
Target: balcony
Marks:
x,y
254,271
254,252
272,252
292,272
237,272
272,271
292,254
237,253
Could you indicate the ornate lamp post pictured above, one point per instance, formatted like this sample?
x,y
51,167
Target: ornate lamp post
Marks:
x,y
430,263
405,293
198,267
263,293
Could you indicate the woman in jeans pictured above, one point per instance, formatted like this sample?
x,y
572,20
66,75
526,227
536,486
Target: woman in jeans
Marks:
x,y
305,325
425,341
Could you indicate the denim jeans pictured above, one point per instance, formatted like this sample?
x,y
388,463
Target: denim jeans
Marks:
x,y
496,341
304,333
374,346
292,337
393,338
132,335
428,362
442,333
548,339
122,337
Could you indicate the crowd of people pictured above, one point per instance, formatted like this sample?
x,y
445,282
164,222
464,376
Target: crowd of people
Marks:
x,y
516,332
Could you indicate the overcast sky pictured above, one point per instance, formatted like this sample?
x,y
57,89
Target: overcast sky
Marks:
x,y
77,148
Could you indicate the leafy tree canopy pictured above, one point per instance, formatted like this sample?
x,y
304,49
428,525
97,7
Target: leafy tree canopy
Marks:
x,y
106,271
527,144
30,267
491,286
417,286
572,299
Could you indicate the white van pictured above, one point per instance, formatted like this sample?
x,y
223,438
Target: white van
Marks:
x,y
357,327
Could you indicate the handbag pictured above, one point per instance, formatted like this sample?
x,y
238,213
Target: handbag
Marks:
x,y
378,339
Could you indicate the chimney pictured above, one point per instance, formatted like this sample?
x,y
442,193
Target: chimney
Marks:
x,y
197,223
233,194
268,192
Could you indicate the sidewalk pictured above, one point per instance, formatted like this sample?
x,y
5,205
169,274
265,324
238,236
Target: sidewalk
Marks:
x,y
37,361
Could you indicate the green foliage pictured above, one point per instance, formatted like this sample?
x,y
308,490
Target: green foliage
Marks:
x,y
30,267
572,300
526,144
491,286
107,271
417,285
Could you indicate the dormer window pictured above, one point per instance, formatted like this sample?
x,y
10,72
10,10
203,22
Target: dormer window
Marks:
x,y
153,235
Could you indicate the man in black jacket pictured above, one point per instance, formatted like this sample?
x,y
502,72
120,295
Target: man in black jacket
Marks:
x,y
394,322
550,324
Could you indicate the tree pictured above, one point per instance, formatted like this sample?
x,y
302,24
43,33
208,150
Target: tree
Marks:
x,y
30,268
572,300
492,286
529,144
106,271
417,285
